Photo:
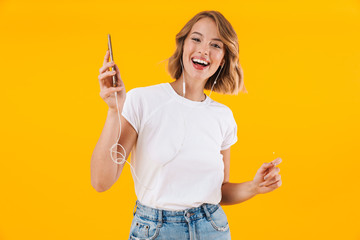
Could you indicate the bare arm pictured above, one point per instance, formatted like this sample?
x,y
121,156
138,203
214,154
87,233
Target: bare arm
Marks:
x,y
266,180
104,171
233,193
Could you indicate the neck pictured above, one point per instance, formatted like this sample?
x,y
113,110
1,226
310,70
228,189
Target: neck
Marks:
x,y
194,89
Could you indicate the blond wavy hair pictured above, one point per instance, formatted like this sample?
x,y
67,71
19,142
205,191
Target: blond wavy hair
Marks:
x,y
230,80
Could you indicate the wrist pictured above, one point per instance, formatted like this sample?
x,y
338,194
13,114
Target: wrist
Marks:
x,y
254,188
113,111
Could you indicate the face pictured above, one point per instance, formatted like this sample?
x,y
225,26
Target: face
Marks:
x,y
202,43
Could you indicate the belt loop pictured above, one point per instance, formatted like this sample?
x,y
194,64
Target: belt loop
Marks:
x,y
134,211
208,217
160,217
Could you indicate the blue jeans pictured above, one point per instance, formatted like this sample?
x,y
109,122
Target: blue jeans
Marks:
x,y
205,222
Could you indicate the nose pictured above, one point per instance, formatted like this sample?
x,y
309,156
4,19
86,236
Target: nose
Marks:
x,y
204,49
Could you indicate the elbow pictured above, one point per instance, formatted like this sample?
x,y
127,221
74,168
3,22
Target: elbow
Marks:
x,y
98,186
100,189
98,182
223,200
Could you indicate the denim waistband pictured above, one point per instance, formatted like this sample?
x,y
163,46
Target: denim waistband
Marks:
x,y
186,215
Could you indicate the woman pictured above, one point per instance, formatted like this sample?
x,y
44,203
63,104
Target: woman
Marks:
x,y
180,138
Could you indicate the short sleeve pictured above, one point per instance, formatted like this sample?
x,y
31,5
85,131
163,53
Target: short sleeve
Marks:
x,y
132,109
230,135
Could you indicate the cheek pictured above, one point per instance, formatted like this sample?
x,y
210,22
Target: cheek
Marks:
x,y
218,56
189,46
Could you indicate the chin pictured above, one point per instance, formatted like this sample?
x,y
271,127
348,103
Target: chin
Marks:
x,y
199,77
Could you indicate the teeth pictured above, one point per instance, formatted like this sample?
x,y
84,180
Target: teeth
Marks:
x,y
200,61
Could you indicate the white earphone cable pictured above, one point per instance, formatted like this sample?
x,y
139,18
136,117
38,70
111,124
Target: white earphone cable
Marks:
x,y
122,158
184,78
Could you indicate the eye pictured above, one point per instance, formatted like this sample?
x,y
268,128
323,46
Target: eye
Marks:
x,y
217,46
196,39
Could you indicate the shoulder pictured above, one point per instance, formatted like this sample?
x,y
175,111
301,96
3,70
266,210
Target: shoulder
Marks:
x,y
220,108
223,113
148,98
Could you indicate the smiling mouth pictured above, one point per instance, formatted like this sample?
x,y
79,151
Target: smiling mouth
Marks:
x,y
199,65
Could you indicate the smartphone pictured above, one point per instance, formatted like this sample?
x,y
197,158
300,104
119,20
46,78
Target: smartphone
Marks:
x,y
111,59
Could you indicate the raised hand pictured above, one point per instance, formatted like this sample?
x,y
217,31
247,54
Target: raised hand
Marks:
x,y
107,91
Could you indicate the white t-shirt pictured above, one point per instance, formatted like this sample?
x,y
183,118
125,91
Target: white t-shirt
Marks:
x,y
177,154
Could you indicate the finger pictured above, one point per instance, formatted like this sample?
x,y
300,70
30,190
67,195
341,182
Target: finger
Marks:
x,y
264,167
107,92
272,173
106,58
114,89
118,77
276,161
106,67
275,184
271,180
102,76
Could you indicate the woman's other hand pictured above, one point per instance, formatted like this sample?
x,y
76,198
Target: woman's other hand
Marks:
x,y
267,177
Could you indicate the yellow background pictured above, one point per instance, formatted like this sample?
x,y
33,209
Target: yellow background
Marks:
x,y
301,62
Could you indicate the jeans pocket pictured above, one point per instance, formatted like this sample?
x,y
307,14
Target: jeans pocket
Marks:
x,y
219,220
143,229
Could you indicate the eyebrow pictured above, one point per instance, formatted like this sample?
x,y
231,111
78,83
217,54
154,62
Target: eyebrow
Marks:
x,y
211,39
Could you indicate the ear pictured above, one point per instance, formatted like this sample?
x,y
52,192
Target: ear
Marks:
x,y
222,62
